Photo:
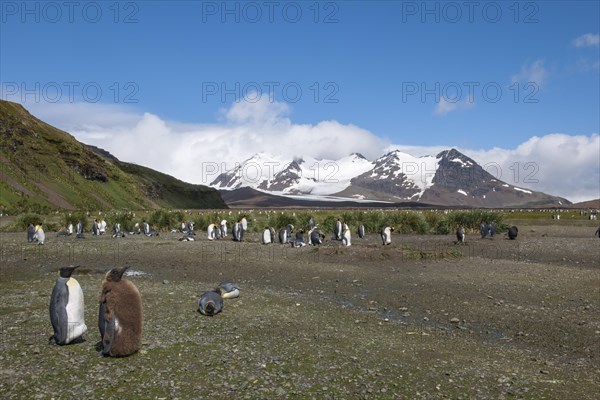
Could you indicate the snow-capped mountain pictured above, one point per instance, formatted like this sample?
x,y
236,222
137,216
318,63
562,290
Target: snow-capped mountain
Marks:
x,y
300,176
450,178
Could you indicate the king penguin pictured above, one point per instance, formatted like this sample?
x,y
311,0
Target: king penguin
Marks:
x,y
386,235
513,231
211,302
266,236
346,236
120,315
361,231
79,231
223,228
30,233
228,290
337,230
39,236
460,234
66,309
211,232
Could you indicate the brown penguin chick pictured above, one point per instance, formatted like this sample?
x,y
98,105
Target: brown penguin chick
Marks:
x,y
120,315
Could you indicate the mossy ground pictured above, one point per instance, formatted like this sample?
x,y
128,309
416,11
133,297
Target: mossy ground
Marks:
x,y
360,322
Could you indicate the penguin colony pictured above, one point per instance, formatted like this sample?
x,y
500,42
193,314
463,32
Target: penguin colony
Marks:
x,y
286,235
119,302
219,230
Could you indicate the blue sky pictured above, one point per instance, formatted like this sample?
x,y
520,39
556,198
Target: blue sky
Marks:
x,y
392,69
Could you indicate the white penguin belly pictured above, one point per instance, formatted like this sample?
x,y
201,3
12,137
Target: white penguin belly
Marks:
x,y
75,309
347,238
266,237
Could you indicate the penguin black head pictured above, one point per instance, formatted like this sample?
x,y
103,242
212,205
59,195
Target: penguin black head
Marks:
x,y
392,229
115,274
65,272
210,307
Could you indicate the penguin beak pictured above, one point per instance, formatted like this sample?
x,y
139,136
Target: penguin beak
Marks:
x,y
122,271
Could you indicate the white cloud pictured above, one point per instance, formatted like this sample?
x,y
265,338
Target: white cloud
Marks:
x,y
84,115
589,39
444,106
534,72
187,151
559,164
586,65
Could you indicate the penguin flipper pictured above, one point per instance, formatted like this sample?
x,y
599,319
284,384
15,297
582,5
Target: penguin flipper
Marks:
x,y
101,319
58,314
109,337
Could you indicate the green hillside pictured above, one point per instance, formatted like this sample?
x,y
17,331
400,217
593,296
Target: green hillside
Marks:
x,y
44,169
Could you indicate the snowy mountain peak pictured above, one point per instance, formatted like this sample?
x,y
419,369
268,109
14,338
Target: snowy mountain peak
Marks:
x,y
449,178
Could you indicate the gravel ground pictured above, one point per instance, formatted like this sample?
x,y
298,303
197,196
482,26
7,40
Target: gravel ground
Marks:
x,y
421,318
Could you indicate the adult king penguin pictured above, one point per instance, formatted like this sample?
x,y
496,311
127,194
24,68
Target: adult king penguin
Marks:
x,y
386,235
211,302
223,229
337,230
266,236
211,232
345,236
30,233
79,233
513,231
228,290
460,234
285,234
66,309
361,231
120,315
39,236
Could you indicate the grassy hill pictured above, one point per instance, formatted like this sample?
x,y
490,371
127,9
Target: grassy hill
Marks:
x,y
43,168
